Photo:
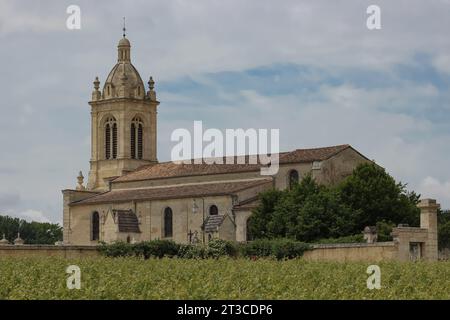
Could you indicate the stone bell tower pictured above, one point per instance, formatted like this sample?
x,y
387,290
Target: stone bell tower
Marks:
x,y
123,122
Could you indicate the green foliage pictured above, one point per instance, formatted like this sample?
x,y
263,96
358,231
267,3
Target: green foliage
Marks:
x,y
156,249
384,230
224,279
30,232
311,212
189,251
257,248
216,248
444,229
146,249
356,238
372,193
277,248
117,249
219,248
258,222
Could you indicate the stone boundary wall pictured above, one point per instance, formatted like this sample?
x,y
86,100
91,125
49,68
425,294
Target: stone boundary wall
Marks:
x,y
342,252
48,251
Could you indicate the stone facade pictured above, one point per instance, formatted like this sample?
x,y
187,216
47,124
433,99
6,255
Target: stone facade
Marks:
x,y
170,200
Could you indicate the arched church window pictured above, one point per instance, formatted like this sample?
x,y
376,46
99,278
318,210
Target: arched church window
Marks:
x,y
136,140
168,222
95,226
111,138
213,210
293,178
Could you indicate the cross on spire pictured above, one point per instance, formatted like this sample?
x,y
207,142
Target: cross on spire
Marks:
x,y
124,29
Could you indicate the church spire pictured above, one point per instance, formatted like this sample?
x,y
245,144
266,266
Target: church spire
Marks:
x,y
123,49
124,29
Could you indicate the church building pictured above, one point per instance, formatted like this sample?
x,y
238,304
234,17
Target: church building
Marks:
x,y
130,196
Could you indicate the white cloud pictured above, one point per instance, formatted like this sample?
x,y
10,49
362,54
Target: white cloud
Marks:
x,y
434,188
442,63
52,74
32,215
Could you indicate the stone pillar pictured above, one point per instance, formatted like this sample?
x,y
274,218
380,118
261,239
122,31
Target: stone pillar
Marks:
x,y
428,220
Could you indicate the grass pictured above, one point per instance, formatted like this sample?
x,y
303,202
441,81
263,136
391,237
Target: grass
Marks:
x,y
131,278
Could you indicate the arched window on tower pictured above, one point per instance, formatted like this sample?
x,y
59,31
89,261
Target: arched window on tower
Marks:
x,y
293,178
95,227
168,222
111,138
136,139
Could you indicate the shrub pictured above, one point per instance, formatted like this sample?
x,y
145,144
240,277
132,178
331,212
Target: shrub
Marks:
x,y
117,249
288,249
257,248
146,249
189,251
384,230
356,238
217,248
156,248
278,248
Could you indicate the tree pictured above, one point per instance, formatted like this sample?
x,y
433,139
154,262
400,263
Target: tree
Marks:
x,y
310,212
376,196
259,220
444,228
31,232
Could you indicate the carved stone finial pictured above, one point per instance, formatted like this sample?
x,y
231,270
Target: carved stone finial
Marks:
x,y
151,83
4,241
80,180
96,94
370,234
18,241
151,92
96,84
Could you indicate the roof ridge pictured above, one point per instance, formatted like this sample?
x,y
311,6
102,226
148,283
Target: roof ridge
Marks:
x,y
188,167
329,147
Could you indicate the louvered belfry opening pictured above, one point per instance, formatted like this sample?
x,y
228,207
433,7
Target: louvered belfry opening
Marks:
x,y
107,141
140,147
136,139
111,138
133,141
114,142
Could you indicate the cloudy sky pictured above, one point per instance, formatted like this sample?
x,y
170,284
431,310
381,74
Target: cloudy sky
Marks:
x,y
310,68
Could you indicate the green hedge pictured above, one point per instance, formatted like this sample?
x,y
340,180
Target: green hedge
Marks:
x,y
216,248
277,248
357,238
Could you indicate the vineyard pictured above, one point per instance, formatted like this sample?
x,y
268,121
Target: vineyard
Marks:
x,y
225,278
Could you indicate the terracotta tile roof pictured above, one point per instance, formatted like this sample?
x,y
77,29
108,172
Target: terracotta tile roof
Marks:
x,y
171,169
173,192
127,221
310,155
